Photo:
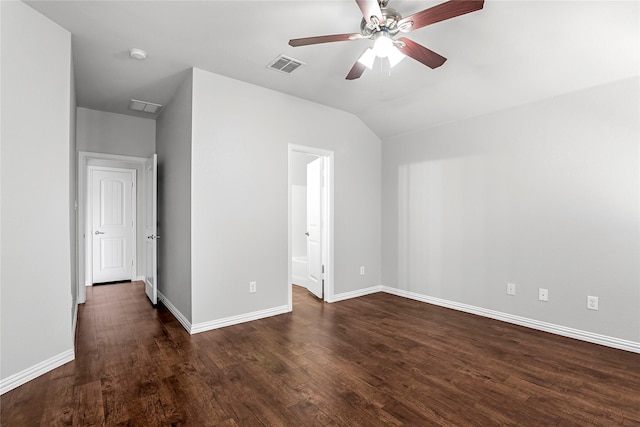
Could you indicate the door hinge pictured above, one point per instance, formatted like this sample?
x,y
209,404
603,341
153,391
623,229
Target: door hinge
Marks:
x,y
323,269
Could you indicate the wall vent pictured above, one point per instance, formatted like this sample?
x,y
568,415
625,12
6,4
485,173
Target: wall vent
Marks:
x,y
144,106
284,64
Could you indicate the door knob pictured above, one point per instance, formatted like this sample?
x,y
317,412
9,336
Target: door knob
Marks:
x,y
99,232
306,234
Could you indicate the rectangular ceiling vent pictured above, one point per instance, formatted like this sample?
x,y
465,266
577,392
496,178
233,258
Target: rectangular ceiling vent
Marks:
x,y
144,106
284,64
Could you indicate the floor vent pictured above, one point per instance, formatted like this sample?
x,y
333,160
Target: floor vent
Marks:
x,y
284,64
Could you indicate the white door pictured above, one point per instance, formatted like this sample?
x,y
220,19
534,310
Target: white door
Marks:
x,y
151,228
314,227
112,224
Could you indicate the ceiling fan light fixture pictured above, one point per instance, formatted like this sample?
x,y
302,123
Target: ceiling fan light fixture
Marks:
x,y
381,24
367,58
382,45
395,56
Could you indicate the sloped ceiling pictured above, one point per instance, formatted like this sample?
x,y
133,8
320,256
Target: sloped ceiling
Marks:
x,y
509,53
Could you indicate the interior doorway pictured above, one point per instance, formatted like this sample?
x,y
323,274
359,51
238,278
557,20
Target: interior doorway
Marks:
x,y
87,160
311,221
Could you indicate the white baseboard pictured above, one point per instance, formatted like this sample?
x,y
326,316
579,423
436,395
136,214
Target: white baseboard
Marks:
x,y
176,313
219,323
234,320
20,378
522,321
354,294
138,279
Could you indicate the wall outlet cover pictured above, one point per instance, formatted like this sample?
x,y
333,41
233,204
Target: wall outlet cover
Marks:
x,y
592,303
511,288
543,294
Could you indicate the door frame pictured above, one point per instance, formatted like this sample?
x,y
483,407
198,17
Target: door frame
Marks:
x,y
327,215
89,212
85,158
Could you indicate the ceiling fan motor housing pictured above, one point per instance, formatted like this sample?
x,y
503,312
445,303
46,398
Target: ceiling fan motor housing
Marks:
x,y
389,24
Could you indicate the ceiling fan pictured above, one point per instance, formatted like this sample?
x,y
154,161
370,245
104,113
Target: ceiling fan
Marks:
x,y
382,24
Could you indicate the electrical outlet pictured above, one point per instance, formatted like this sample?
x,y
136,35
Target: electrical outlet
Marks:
x,y
511,288
362,271
543,294
592,303
252,287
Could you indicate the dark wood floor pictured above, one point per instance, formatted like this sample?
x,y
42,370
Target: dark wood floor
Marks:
x,y
374,360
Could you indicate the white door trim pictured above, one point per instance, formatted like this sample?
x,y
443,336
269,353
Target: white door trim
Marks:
x,y
84,158
328,214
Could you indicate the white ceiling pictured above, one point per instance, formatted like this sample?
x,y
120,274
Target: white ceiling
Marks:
x,y
509,53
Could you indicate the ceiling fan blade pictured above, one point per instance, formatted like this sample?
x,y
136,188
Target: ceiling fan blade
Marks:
x,y
438,13
370,8
357,70
421,53
324,39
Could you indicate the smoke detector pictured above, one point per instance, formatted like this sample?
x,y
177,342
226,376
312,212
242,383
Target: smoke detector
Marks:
x,y
138,54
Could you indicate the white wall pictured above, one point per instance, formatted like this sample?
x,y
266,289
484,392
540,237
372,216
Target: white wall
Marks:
x,y
239,194
73,192
544,195
174,199
110,133
36,178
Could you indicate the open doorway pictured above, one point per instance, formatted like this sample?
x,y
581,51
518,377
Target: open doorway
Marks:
x,y
138,169
311,221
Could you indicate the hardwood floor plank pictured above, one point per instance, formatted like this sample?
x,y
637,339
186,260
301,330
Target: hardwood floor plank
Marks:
x,y
21,406
88,404
310,414
59,405
370,361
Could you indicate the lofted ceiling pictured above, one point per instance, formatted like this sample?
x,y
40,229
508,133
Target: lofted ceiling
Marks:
x,y
509,53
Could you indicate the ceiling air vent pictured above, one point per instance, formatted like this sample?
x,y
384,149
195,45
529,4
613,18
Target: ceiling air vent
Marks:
x,y
284,64
144,106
